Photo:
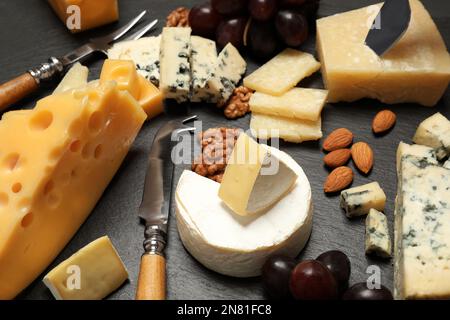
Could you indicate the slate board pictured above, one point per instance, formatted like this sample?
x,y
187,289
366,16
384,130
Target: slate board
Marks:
x,y
31,33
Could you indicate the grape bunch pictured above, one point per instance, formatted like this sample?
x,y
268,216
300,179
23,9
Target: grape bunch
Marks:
x,y
263,26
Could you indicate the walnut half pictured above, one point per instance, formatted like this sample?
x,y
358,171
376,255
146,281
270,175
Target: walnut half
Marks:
x,y
238,105
178,18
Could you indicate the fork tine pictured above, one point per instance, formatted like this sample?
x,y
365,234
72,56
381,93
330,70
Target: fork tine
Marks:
x,y
141,32
120,32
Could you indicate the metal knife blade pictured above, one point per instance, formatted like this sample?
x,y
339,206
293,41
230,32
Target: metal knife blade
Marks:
x,y
389,26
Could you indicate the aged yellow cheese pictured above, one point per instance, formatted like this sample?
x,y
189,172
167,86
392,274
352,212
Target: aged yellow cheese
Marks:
x,y
90,274
254,178
76,77
298,103
282,73
92,13
292,130
417,69
150,98
124,73
55,162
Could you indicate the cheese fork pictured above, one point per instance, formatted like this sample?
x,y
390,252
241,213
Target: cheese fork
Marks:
x,y
25,84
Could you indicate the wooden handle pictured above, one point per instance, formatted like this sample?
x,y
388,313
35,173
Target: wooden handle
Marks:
x,y
152,278
16,89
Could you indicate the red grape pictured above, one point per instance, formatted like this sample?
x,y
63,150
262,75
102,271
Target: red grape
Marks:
x,y
263,40
339,265
231,31
311,280
262,10
230,7
360,291
292,27
276,273
204,20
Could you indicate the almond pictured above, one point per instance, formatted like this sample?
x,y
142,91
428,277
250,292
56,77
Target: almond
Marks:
x,y
338,139
383,121
339,179
362,155
337,158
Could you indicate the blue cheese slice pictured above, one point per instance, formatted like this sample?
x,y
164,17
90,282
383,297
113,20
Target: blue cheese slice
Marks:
x,y
422,225
175,76
434,132
145,54
203,67
359,200
378,241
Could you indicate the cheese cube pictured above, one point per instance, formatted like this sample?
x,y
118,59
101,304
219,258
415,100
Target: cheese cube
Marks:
x,y
91,13
93,272
358,201
143,52
299,103
76,77
434,132
282,73
56,160
175,69
254,179
416,69
150,98
378,241
292,130
123,72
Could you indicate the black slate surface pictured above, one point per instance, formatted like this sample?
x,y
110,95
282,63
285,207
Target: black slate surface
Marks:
x,y
30,33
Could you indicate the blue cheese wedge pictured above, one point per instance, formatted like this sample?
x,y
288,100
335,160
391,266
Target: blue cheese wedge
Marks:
x,y
145,54
434,132
359,200
378,241
422,225
203,67
175,68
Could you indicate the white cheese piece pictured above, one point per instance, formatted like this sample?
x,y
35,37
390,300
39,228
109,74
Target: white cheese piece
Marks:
x,y
434,132
447,164
422,226
203,67
298,103
234,245
283,72
359,200
76,77
292,130
378,241
175,77
254,178
145,54
90,274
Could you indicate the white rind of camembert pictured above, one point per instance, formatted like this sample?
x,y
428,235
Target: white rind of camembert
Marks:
x,y
238,246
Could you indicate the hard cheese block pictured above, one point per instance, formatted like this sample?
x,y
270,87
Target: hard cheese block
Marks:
x,y
434,132
282,73
254,178
293,130
359,200
56,162
416,69
378,241
90,274
150,98
422,225
235,245
298,103
145,54
175,69
92,14
77,76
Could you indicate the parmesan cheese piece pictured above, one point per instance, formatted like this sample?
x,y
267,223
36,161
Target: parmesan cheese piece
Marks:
x,y
283,72
297,103
292,130
416,69
76,77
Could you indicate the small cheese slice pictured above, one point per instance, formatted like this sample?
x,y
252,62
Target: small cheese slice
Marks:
x,y
92,273
282,73
175,69
378,241
292,130
254,179
298,103
76,77
416,69
234,245
145,54
359,200
434,132
123,72
150,98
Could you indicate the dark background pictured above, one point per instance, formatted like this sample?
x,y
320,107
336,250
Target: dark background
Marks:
x,y
30,33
